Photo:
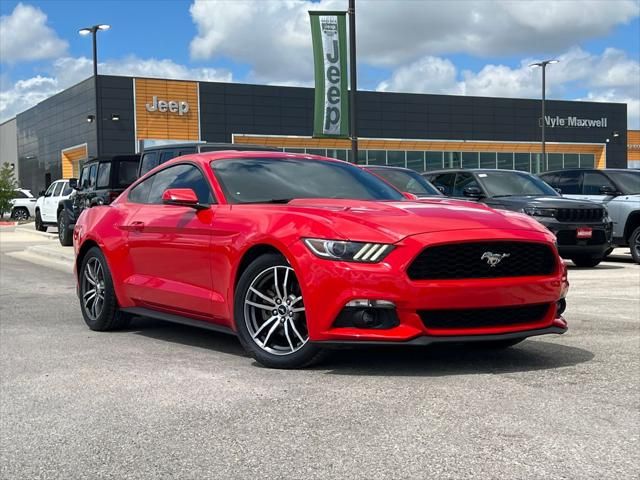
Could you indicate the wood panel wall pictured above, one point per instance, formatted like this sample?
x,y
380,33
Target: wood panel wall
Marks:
x,y
71,158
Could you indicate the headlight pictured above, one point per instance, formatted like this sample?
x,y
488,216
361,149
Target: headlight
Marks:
x,y
540,212
348,251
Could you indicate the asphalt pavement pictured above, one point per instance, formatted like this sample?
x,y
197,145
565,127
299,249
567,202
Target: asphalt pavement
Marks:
x,y
168,401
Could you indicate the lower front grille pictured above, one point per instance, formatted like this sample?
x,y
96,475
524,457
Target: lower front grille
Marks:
x,y
569,237
483,317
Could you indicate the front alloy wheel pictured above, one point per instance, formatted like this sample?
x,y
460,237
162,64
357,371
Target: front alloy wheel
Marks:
x,y
270,315
634,243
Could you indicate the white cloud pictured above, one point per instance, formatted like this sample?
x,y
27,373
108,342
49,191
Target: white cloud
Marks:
x,y
68,71
25,36
609,77
273,36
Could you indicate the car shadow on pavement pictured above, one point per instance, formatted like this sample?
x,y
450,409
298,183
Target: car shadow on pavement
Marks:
x,y
446,360
186,335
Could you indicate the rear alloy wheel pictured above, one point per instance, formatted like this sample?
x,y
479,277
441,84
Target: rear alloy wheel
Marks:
x,y
97,297
40,227
271,317
585,261
64,233
20,214
634,244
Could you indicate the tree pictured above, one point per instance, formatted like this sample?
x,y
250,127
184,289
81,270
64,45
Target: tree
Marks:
x,y
7,187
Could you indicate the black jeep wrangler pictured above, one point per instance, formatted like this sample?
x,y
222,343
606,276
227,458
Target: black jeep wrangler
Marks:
x,y
101,181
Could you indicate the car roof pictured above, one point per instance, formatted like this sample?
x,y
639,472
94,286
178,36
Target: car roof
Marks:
x,y
388,167
587,170
473,170
220,145
207,157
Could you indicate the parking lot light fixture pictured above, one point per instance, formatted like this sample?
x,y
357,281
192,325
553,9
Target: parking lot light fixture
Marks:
x,y
543,65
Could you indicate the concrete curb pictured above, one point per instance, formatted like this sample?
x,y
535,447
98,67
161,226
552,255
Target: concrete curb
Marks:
x,y
30,228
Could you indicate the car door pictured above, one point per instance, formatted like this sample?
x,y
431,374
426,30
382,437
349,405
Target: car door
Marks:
x,y
49,204
169,245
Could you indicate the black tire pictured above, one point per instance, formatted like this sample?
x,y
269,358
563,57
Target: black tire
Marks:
x,y
40,227
20,214
306,354
109,317
585,261
634,244
65,235
497,344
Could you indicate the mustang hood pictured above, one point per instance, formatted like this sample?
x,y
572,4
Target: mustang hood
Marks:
x,y
369,220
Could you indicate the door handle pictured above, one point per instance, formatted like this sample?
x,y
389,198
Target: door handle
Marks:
x,y
137,226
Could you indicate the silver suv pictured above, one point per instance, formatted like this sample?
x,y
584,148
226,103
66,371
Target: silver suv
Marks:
x,y
617,189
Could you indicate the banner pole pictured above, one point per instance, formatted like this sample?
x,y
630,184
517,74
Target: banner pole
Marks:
x,y
354,81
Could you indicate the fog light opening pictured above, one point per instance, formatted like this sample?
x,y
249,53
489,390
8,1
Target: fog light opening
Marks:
x,y
561,306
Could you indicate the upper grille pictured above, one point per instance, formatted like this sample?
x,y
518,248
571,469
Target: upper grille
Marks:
x,y
579,214
464,260
483,317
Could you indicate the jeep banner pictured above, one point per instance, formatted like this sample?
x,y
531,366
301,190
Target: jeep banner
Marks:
x,y
329,35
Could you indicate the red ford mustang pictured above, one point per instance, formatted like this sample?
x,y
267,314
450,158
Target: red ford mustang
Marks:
x,y
293,253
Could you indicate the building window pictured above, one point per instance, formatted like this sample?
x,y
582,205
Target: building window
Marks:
x,y
487,160
554,161
470,160
415,161
362,157
587,160
294,150
317,151
451,159
434,160
537,165
522,161
396,158
571,160
505,161
376,157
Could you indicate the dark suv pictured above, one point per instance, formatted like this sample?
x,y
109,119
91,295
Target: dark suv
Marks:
x,y
101,181
405,180
154,156
583,228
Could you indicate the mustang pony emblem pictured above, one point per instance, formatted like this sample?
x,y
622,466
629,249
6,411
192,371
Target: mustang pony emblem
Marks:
x,y
494,259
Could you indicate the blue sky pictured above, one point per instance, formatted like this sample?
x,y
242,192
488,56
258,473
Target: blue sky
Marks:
x,y
432,46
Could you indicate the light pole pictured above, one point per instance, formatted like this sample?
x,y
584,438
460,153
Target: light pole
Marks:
x,y
94,31
543,65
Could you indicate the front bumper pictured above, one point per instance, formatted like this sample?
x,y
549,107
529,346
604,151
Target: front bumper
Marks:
x,y
328,286
568,243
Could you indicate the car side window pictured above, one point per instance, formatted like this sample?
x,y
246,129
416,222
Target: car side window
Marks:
x,y
127,172
569,182
166,156
444,181
58,189
104,174
592,182
149,162
463,180
140,193
19,194
49,191
66,190
180,176
84,178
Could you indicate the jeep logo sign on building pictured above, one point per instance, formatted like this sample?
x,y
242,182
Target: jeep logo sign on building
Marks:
x,y
166,109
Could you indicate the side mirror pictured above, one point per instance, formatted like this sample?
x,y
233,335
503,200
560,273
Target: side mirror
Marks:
x,y
184,197
41,193
472,192
441,189
410,196
559,190
73,183
607,190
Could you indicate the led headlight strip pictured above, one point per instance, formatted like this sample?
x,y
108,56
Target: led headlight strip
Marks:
x,y
348,251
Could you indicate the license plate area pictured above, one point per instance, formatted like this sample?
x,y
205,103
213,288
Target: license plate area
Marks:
x,y
584,233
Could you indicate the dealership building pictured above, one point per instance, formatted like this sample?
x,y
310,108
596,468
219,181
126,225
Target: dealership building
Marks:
x,y
114,115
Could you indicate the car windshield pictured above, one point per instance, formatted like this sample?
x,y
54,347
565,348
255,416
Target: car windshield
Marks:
x,y
406,181
278,180
509,184
628,182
